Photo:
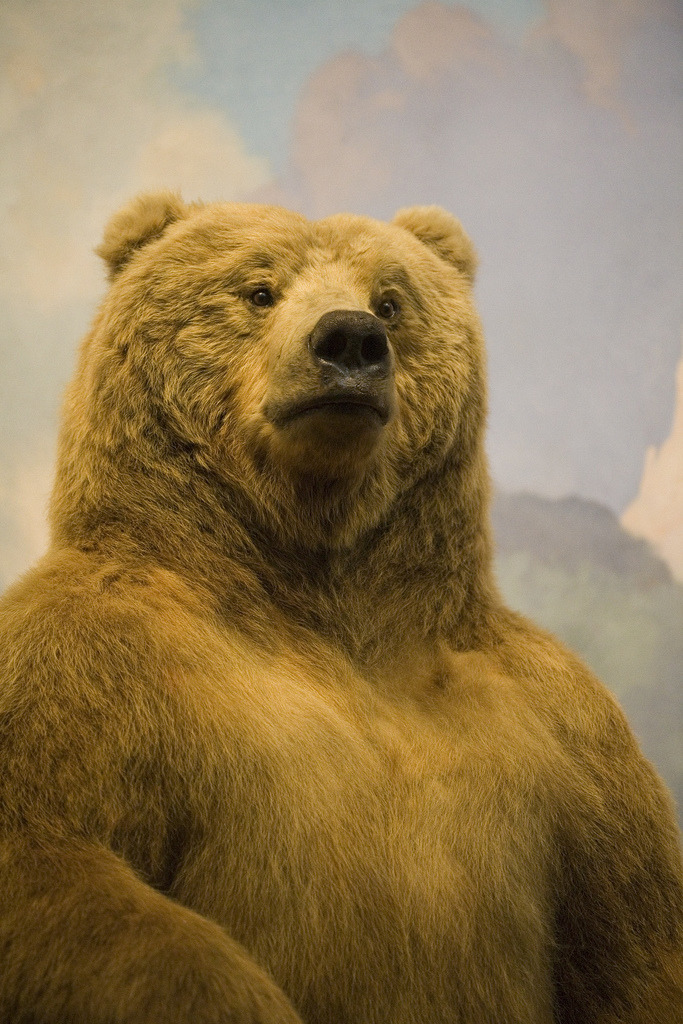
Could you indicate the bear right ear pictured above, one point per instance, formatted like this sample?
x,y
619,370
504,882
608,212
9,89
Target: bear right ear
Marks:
x,y
140,221
442,233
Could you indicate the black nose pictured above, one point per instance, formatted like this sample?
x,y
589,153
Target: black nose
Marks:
x,y
351,340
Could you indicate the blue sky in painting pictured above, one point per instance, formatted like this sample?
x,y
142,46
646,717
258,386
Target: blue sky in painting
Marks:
x,y
254,57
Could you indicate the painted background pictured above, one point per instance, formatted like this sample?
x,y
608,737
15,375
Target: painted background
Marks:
x,y
553,129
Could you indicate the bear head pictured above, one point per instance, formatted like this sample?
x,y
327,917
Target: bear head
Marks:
x,y
309,373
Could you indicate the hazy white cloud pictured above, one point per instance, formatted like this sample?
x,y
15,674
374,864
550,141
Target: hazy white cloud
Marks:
x,y
433,37
89,117
657,512
598,33
199,153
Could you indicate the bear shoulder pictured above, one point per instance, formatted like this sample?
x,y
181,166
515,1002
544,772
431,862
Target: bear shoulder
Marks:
x,y
618,889
96,698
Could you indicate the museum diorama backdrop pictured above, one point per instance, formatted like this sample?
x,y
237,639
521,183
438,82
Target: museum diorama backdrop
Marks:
x,y
552,129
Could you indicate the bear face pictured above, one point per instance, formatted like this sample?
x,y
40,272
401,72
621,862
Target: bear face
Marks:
x,y
319,368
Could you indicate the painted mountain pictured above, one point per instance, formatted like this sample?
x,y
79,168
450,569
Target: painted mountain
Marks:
x,y
569,565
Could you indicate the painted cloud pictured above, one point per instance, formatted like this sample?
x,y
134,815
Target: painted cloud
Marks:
x,y
561,154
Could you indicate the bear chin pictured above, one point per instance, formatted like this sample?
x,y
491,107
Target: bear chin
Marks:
x,y
330,438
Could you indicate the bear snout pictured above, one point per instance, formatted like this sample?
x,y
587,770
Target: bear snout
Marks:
x,y
344,372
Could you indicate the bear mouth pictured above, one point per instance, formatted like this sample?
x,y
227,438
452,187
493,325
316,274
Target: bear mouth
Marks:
x,y
335,403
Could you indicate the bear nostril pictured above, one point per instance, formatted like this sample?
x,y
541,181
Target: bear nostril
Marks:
x,y
374,348
331,346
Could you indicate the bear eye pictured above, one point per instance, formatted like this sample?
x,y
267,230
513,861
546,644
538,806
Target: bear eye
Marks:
x,y
387,309
262,296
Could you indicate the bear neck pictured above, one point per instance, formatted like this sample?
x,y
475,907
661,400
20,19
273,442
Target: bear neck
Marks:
x,y
420,576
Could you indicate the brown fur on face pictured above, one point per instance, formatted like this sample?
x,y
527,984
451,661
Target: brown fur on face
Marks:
x,y
272,748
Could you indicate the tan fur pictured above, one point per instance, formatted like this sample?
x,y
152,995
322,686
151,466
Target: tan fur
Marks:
x,y
272,748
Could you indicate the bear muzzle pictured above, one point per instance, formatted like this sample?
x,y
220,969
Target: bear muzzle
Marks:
x,y
347,373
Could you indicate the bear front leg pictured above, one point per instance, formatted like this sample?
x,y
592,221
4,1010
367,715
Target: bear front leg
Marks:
x,y
84,940
619,917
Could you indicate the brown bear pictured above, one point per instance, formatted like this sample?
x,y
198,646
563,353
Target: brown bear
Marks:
x,y
273,749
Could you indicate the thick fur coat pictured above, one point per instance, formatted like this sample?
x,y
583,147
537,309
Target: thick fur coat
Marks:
x,y
271,747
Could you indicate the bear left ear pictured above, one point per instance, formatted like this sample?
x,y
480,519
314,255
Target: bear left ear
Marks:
x,y
140,221
442,233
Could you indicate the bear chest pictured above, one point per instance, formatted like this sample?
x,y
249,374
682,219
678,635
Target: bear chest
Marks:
x,y
379,862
